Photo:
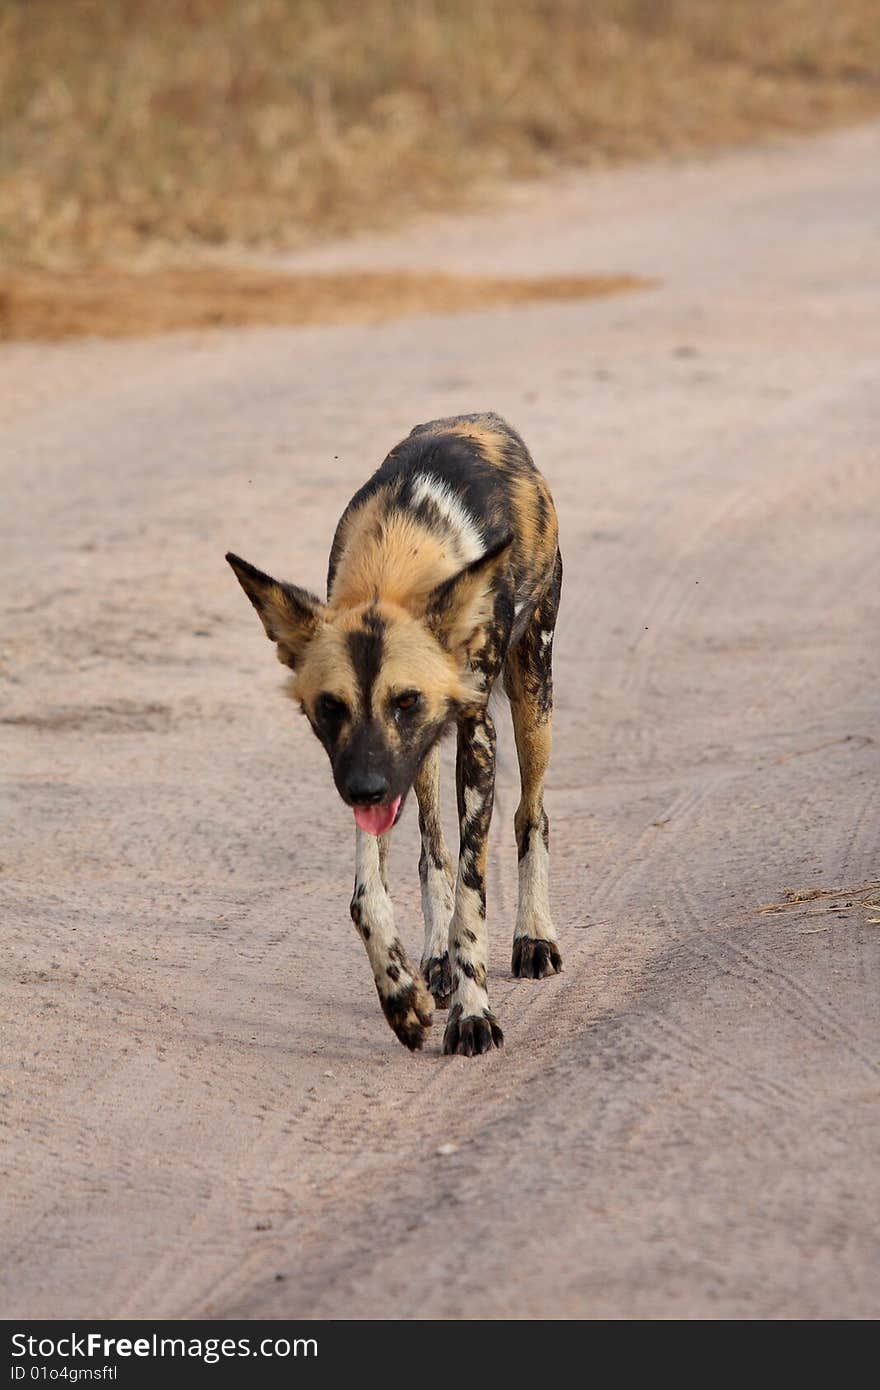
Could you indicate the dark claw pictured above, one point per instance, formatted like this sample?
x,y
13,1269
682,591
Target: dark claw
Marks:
x,y
533,959
473,1035
438,978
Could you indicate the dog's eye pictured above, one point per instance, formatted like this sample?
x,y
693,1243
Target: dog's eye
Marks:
x,y
407,701
331,709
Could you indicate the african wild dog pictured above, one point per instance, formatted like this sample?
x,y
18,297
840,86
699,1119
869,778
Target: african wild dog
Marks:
x,y
445,573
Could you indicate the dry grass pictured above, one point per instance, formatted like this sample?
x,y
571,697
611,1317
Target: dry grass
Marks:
x,y
117,304
132,129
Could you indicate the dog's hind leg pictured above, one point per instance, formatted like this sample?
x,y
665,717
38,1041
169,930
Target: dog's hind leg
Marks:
x,y
436,877
405,1000
528,679
472,1027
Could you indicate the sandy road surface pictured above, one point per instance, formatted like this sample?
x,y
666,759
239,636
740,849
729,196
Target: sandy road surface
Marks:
x,y
203,1109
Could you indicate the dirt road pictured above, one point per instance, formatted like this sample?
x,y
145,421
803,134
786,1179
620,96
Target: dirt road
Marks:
x,y
204,1110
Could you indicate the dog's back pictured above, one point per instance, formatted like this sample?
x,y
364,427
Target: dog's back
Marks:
x,y
448,493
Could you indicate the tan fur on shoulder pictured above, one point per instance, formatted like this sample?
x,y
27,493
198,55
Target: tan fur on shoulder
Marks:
x,y
390,556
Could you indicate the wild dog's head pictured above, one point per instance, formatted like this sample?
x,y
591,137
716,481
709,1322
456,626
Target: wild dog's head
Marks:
x,y
379,682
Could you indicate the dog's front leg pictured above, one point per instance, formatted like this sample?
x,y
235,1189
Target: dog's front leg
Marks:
x,y
437,880
472,1027
405,1000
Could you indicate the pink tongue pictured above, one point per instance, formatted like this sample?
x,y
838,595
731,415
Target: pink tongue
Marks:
x,y
377,819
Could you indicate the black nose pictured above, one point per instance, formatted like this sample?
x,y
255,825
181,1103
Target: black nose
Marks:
x,y
366,788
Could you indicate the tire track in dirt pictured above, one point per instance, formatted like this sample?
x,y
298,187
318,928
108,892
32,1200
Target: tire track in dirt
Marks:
x,y
762,978
724,531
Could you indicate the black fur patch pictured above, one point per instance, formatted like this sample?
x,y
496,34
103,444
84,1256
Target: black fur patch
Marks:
x,y
438,979
356,911
473,969
524,836
367,650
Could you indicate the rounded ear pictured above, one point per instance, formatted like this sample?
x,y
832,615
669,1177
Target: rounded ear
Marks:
x,y
291,616
461,605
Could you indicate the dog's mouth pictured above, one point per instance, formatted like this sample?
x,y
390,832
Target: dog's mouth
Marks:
x,y
376,820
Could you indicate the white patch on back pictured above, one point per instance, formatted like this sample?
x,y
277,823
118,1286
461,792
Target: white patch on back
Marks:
x,y
429,488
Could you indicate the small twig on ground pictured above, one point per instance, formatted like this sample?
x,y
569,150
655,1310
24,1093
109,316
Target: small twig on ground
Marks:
x,y
794,897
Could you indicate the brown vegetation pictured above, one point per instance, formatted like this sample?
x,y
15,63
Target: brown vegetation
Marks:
x,y
147,126
120,304
142,134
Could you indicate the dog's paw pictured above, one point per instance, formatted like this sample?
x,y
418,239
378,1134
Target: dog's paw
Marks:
x,y
438,978
533,958
467,1035
409,1011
